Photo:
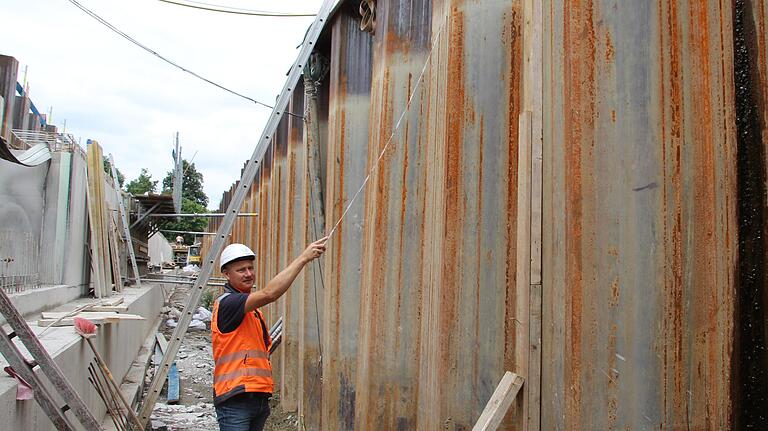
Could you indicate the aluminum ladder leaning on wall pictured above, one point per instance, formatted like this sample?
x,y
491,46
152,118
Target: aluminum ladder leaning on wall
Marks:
x,y
234,207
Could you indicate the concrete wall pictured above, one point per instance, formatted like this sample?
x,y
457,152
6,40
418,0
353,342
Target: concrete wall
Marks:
x,y
118,343
44,217
34,301
21,213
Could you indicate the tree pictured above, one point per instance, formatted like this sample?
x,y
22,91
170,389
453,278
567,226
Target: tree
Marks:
x,y
192,184
142,184
189,224
108,170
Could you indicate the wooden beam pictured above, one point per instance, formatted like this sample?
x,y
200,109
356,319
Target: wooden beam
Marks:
x,y
52,318
533,97
114,252
499,403
523,270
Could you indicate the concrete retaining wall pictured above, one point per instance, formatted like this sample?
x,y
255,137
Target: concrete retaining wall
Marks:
x,y
118,343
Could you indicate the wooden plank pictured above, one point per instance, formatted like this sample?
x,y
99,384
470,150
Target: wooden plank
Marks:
x,y
70,321
162,342
497,406
533,102
98,220
114,253
113,308
96,278
523,269
112,301
173,385
533,388
93,315
533,99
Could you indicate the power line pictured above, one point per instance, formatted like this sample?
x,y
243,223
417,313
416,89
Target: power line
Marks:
x,y
234,10
165,59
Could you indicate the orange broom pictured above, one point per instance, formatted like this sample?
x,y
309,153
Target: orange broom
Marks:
x,y
87,330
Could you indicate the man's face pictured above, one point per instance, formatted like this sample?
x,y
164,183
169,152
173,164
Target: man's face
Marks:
x,y
240,275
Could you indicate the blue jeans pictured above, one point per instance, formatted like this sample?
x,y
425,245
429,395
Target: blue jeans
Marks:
x,y
244,412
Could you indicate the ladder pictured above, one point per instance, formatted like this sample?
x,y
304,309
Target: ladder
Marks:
x,y
41,357
126,229
234,207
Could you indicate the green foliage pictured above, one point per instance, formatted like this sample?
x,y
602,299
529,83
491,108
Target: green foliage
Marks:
x,y
191,224
142,184
209,295
108,170
192,184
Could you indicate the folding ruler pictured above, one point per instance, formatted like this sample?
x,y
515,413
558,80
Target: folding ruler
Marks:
x,y
234,207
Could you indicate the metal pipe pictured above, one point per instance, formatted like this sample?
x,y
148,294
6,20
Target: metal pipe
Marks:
x,y
188,232
212,215
157,280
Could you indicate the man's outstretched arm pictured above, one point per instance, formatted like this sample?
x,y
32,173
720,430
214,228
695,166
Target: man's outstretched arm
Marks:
x,y
282,281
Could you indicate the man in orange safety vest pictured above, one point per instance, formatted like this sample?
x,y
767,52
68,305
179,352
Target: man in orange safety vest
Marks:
x,y
242,375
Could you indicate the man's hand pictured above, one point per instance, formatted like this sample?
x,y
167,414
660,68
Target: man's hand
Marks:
x,y
315,250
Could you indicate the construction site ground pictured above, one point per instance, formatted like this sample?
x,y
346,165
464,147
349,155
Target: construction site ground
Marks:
x,y
195,410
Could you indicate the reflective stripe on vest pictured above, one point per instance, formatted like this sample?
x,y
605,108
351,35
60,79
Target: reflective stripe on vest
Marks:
x,y
242,372
239,356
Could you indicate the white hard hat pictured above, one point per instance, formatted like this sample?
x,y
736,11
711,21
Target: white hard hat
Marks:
x,y
235,252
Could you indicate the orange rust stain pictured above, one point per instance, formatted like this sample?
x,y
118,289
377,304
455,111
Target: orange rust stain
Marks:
x,y
341,203
614,298
671,110
515,56
454,206
613,380
579,110
713,386
609,50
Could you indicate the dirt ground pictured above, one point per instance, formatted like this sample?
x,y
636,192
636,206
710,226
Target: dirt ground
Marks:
x,y
195,409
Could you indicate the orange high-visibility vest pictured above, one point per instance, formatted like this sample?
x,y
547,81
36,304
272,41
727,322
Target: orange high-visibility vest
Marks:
x,y
241,357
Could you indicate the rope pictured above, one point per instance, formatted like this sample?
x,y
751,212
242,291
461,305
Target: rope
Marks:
x,y
394,131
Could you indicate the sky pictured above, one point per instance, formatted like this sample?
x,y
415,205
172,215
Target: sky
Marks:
x,y
133,103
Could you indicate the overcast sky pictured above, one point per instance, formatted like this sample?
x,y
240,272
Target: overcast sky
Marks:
x,y
131,102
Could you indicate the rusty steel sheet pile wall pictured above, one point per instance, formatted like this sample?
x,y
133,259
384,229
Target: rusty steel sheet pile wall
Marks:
x,y
388,360
417,313
295,241
349,101
468,304
640,224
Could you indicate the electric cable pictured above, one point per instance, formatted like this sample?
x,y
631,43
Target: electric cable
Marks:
x,y
235,10
314,288
165,59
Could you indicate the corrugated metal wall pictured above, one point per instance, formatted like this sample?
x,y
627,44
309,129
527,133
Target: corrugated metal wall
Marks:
x,y
418,302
